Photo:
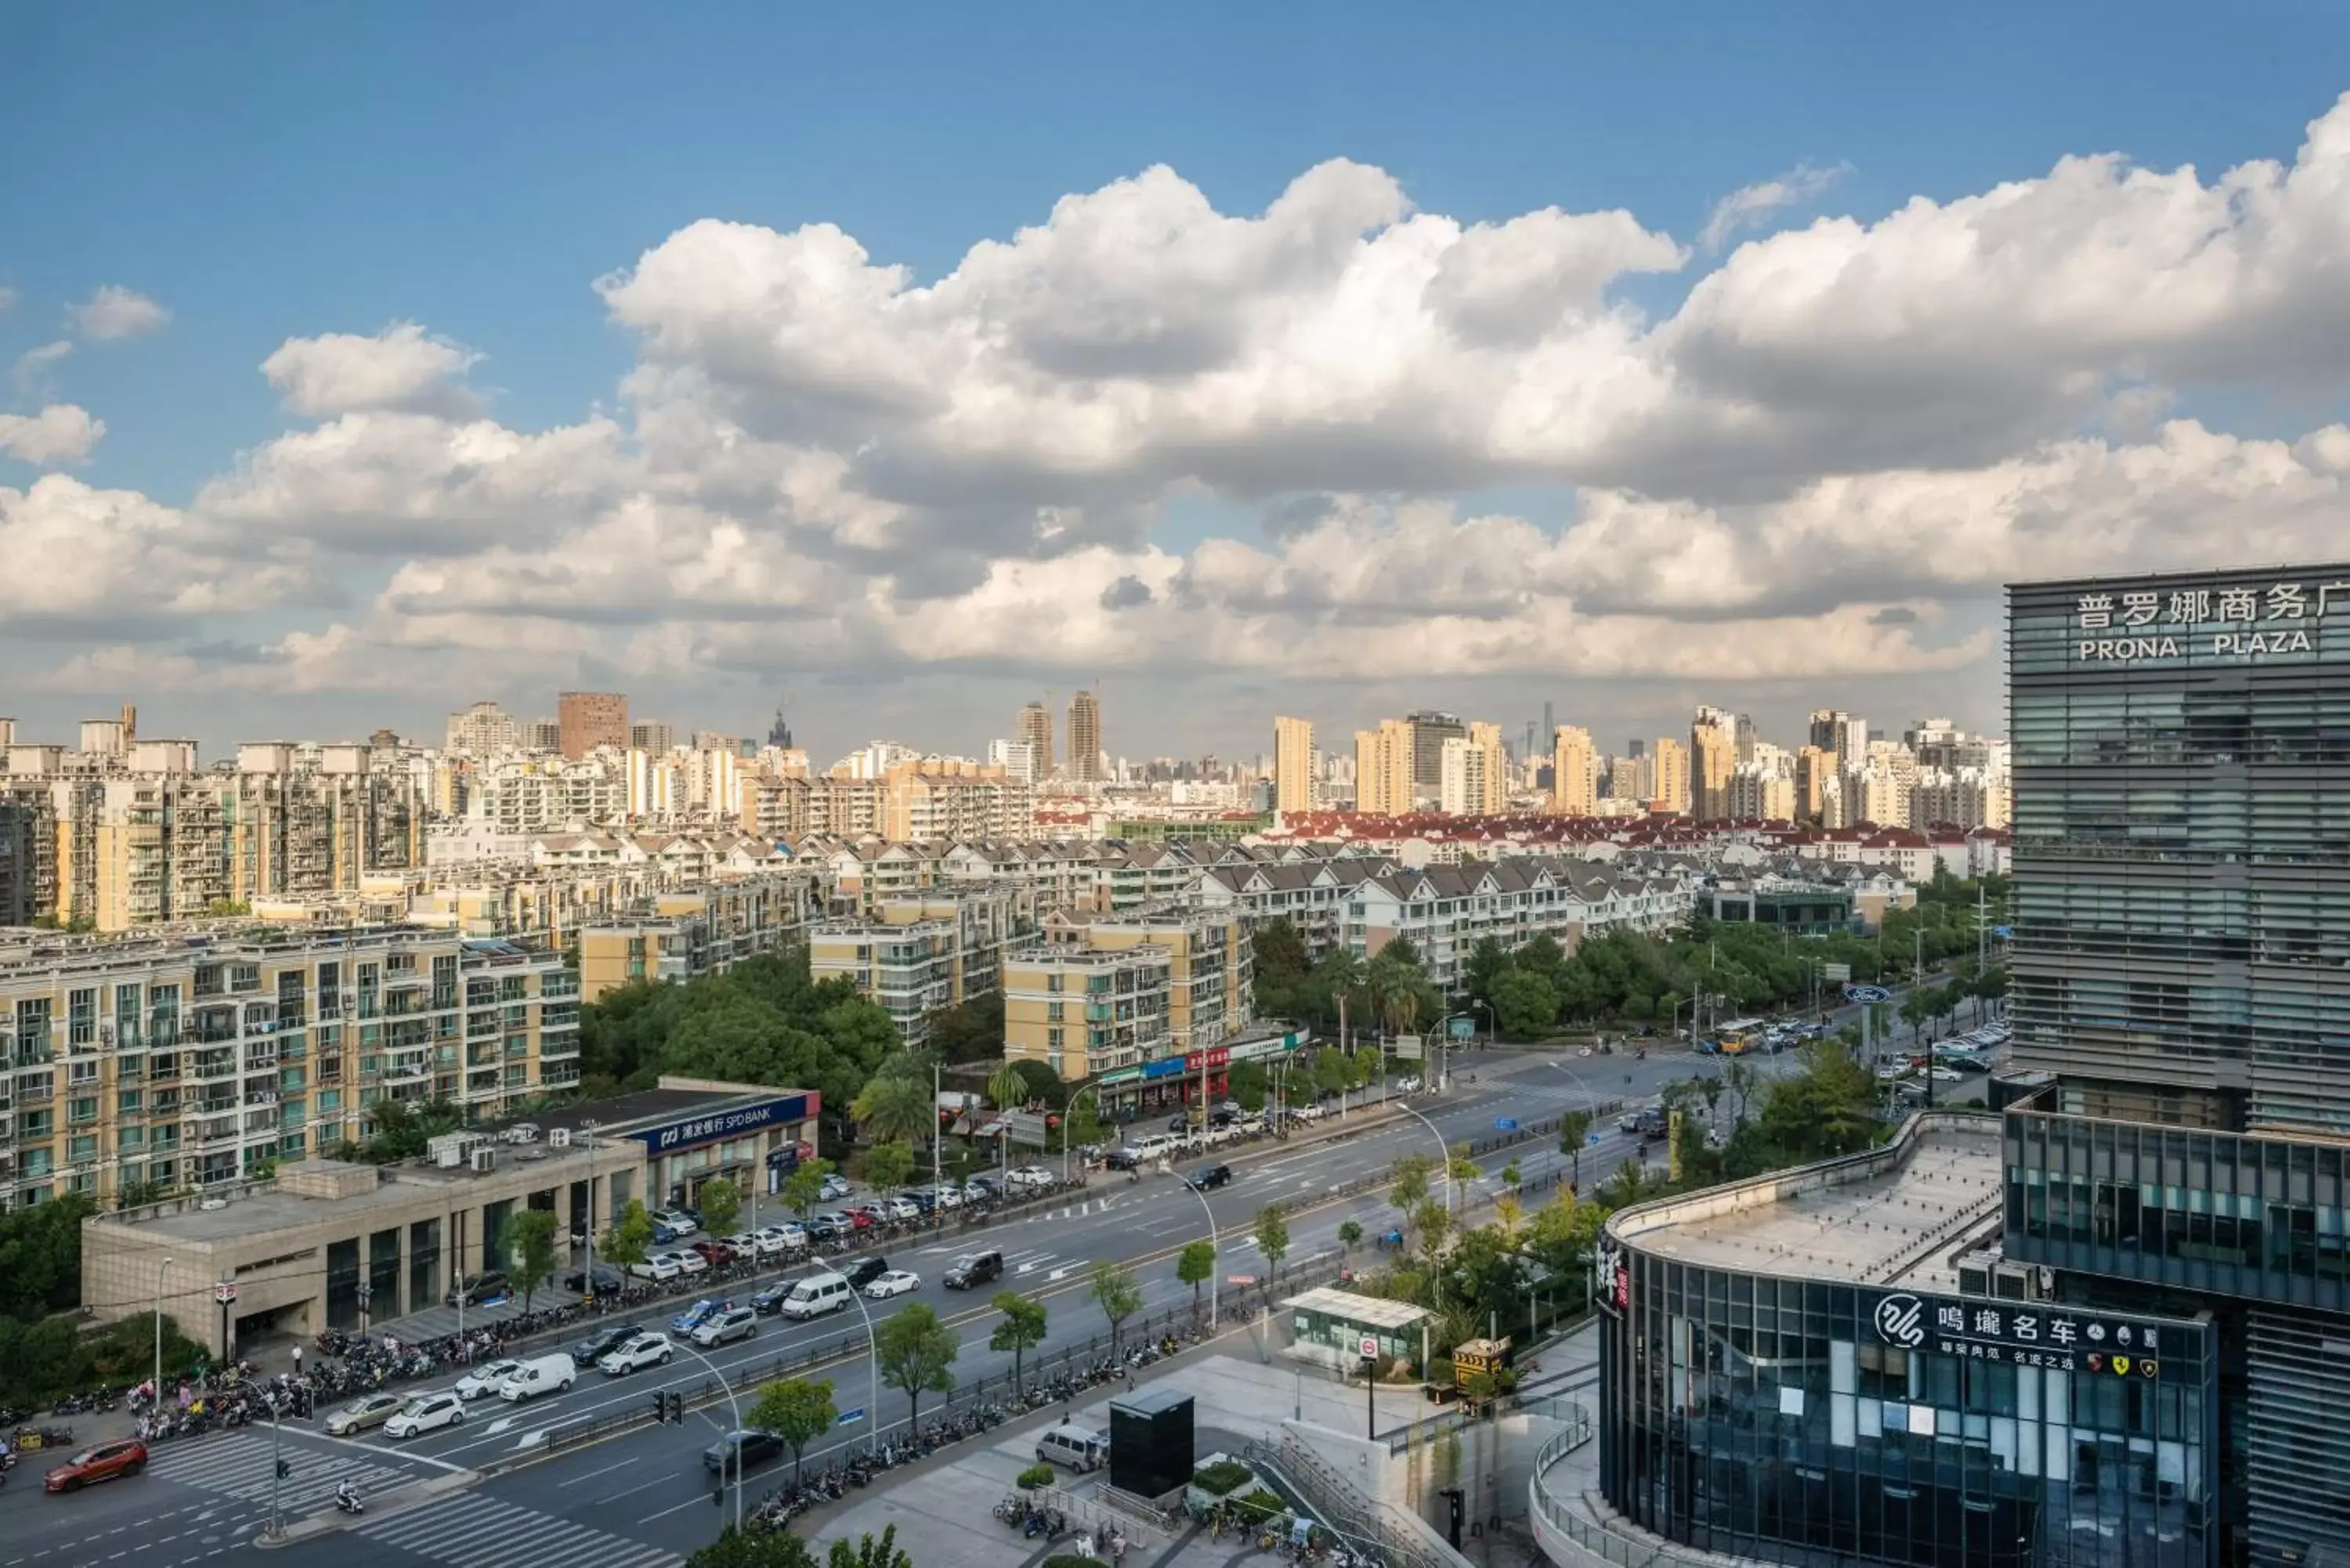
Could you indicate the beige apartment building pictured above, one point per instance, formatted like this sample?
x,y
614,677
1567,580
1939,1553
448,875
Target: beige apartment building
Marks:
x,y
1294,765
693,931
926,951
1574,773
1383,769
1083,1011
188,1056
1672,759
1084,736
1713,757
927,798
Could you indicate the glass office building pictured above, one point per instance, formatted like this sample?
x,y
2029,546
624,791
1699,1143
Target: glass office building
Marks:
x,y
2181,967
1789,1373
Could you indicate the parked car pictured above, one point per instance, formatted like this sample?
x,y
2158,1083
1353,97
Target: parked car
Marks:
x,y
895,1283
98,1462
949,1196
862,1272
609,1281
717,1254
744,1242
859,1217
426,1413
1030,1178
641,1351
602,1342
692,1262
826,1227
367,1411
833,1186
922,1198
685,1221
482,1381
734,1322
659,1267
488,1285
974,1269
1209,1177
741,1448
775,1240
904,1210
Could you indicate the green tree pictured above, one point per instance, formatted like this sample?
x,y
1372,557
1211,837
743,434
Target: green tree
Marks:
x,y
1272,1232
1118,1294
1350,1235
917,1356
1512,1176
41,1257
798,1410
871,1552
630,1237
897,1110
969,1030
1248,1085
1574,1129
1006,1087
890,1166
721,1201
1407,1182
753,1547
1019,1328
1432,1222
527,1240
1525,1004
1194,1266
803,1189
1487,963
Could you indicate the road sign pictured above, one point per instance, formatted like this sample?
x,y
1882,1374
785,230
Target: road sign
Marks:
x,y
849,1418
224,1293
1591,1140
1464,1028
1407,1047
1867,993
1369,1347
2005,934
1836,974
1506,1124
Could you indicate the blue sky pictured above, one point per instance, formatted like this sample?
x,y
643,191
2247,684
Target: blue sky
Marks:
x,y
271,171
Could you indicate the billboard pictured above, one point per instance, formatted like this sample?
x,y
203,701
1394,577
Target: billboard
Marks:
x,y
1407,1047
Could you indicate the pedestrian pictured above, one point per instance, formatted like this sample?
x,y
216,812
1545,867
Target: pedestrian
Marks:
x,y
297,1361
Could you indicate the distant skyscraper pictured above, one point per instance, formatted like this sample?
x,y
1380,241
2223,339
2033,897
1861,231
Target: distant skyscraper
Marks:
x,y
779,734
1712,757
1672,776
1549,721
1430,730
587,720
1636,747
1084,736
652,736
1383,769
1841,735
1035,726
1294,765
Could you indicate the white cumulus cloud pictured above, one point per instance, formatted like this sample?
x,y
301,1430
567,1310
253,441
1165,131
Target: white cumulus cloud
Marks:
x,y
62,432
114,311
1752,206
400,370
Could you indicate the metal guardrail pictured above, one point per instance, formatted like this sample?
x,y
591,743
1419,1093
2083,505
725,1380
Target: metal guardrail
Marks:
x,y
1589,1534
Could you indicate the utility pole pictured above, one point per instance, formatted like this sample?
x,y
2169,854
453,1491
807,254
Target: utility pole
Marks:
x,y
938,1208
1982,930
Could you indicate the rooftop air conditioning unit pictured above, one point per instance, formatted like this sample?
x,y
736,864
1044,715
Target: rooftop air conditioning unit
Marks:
x,y
521,1132
559,1137
485,1161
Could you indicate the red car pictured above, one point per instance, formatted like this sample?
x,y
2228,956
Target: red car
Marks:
x,y
717,1254
860,1218
105,1462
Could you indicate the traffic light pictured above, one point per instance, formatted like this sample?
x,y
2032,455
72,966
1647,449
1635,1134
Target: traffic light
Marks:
x,y
284,1469
677,1409
661,1406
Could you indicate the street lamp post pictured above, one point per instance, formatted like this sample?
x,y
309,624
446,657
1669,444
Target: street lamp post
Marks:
x,y
1444,1160
872,1369
161,1265
1493,1023
1215,1245
728,1450
1069,1119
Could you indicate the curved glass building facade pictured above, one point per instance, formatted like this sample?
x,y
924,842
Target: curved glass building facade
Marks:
x,y
1790,1374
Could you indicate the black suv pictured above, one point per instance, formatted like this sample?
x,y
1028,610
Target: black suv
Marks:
x,y
864,1270
590,1351
975,1269
1213,1175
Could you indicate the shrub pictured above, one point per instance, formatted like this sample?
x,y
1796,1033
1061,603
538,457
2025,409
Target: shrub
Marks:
x,y
1032,1478
1221,1477
1261,1504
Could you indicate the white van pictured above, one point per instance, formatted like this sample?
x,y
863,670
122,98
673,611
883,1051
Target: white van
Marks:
x,y
1080,1449
538,1374
816,1295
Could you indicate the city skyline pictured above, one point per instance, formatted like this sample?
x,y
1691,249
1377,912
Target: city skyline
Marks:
x,y
1369,422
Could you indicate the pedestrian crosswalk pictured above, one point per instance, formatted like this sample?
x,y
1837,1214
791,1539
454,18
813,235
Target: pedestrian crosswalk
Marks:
x,y
466,1529
240,1465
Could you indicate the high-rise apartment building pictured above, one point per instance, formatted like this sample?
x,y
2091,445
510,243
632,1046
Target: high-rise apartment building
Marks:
x,y
481,730
1295,765
1671,760
1574,773
1813,768
1713,757
1016,758
1084,736
1841,735
1461,783
587,720
652,736
1383,769
1430,730
2181,970
1035,726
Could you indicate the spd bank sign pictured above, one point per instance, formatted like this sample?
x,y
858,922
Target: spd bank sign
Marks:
x,y
715,1127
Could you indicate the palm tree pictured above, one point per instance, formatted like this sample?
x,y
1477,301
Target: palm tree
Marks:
x,y
1006,1087
895,1110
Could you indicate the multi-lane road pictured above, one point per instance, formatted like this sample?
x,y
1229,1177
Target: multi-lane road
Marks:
x,y
642,1500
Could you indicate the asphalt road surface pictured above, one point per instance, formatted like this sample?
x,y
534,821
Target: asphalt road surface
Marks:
x,y
642,1500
